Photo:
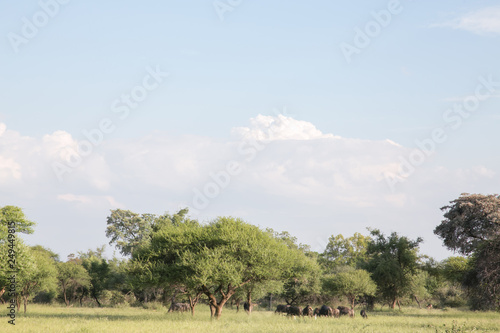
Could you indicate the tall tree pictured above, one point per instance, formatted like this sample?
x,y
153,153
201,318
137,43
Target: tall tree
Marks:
x,y
351,283
218,258
129,230
13,216
38,275
72,276
341,251
472,227
393,262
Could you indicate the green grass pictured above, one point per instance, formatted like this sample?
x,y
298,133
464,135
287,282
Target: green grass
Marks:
x,y
121,320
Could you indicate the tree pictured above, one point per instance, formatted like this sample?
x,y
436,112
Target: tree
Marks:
x,y
417,288
351,283
455,269
342,251
130,230
393,262
39,274
470,221
72,276
218,258
472,227
98,271
10,216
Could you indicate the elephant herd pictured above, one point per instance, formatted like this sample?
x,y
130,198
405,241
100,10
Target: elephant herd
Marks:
x,y
325,311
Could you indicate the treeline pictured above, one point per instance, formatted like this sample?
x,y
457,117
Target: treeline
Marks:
x,y
178,262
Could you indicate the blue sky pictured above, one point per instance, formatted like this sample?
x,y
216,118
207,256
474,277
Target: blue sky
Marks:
x,y
266,71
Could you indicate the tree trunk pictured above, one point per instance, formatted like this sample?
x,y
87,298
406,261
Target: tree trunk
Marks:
x,y
64,294
249,300
193,301
98,303
418,302
216,306
352,301
393,303
25,298
238,305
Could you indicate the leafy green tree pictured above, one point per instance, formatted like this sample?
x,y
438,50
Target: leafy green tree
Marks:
x,y
218,258
341,251
37,275
351,283
130,230
470,222
72,276
98,270
472,227
393,262
418,287
12,215
455,269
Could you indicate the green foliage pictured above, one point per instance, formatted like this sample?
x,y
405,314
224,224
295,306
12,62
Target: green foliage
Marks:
x,y
472,227
72,278
394,261
98,271
342,251
455,269
130,230
36,275
9,214
470,221
351,283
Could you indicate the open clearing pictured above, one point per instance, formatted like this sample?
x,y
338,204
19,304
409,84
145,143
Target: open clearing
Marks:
x,y
60,319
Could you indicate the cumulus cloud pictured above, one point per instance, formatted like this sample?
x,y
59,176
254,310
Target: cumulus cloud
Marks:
x,y
482,21
289,170
279,128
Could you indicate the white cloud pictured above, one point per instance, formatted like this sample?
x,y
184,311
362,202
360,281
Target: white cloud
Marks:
x,y
298,173
483,21
279,128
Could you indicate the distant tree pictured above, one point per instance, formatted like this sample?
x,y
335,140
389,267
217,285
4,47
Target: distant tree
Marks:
x,y
129,230
470,222
9,214
341,251
455,269
351,283
417,288
72,276
37,275
393,262
98,270
302,279
472,227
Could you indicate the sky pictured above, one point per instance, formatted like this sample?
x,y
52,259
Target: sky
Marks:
x,y
318,118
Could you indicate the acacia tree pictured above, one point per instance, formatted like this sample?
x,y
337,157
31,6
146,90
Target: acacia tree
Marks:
x,y
12,215
72,276
393,262
38,274
472,227
341,251
351,283
218,258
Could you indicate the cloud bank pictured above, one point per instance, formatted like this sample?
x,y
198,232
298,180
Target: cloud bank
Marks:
x,y
291,177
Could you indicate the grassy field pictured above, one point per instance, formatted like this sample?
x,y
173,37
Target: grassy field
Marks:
x,y
121,320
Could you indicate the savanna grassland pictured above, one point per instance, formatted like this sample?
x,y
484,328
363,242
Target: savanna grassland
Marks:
x,y
61,319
